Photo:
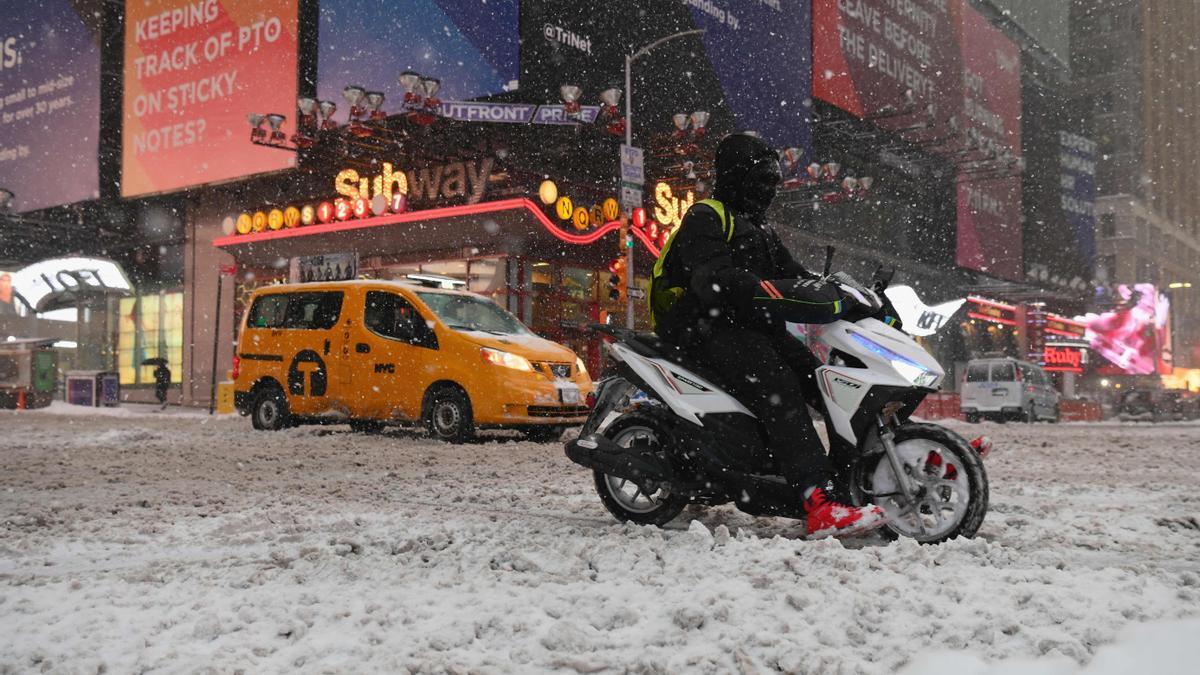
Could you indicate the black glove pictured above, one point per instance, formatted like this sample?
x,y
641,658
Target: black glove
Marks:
x,y
801,301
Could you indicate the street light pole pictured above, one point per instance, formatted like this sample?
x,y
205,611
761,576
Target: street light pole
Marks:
x,y
629,59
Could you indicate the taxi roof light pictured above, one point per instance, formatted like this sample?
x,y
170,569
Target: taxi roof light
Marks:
x,y
436,281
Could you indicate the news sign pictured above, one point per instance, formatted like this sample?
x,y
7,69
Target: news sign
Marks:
x,y
989,195
471,47
193,70
50,102
1135,332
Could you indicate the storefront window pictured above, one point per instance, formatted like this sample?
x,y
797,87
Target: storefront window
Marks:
x,y
984,338
149,325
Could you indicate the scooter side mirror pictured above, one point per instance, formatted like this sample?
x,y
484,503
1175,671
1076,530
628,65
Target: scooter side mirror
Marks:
x,y
882,278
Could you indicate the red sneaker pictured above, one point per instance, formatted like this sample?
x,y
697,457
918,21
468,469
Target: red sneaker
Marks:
x,y
830,519
982,445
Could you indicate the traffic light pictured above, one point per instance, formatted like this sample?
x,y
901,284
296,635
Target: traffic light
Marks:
x,y
618,279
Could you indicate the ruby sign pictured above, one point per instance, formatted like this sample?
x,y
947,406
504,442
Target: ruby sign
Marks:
x,y
1063,359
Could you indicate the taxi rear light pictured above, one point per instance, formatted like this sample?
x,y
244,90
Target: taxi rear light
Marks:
x,y
591,400
237,366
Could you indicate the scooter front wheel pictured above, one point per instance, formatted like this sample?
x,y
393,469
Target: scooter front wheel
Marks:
x,y
951,484
628,500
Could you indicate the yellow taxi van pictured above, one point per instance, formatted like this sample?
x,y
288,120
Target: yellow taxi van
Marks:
x,y
420,350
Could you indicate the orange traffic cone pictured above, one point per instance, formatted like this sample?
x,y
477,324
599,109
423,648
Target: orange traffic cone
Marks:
x,y
20,399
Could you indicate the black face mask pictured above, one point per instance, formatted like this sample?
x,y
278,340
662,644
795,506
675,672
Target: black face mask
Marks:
x,y
759,186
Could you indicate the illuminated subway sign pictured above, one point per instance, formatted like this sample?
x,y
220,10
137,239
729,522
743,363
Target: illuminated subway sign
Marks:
x,y
467,179
668,207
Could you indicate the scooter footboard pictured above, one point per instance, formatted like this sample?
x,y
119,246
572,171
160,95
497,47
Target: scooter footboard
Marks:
x,y
595,451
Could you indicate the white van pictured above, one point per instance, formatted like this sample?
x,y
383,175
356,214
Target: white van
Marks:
x,y
1004,389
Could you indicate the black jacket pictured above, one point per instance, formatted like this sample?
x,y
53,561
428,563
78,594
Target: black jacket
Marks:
x,y
721,278
749,279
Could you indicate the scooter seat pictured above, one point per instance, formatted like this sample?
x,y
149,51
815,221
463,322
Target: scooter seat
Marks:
x,y
652,346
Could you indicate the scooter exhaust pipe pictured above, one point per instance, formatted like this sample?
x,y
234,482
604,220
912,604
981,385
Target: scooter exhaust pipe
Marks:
x,y
597,452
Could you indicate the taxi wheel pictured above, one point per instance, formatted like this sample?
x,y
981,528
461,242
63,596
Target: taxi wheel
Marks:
x,y
270,410
448,415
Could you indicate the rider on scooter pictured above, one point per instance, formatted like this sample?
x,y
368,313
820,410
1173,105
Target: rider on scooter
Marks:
x,y
722,290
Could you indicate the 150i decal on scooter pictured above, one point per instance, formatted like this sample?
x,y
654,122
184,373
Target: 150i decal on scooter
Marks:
x,y
846,383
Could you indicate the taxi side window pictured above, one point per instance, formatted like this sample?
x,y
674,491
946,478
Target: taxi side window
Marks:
x,y
313,311
391,316
268,311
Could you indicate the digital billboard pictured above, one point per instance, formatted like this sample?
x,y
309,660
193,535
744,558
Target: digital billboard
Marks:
x,y
761,53
868,53
894,61
989,203
50,102
193,70
1077,185
750,69
470,46
1134,335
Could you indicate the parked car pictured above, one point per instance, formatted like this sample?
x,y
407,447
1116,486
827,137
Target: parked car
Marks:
x,y
1005,389
1148,405
1138,405
375,352
1185,405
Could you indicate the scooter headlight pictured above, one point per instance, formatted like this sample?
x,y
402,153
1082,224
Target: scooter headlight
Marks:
x,y
910,370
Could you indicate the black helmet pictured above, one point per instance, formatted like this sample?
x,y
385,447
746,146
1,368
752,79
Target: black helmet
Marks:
x,y
748,174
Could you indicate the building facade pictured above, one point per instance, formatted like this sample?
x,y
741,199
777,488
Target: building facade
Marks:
x,y
1131,60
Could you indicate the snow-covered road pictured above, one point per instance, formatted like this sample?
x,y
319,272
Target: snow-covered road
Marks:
x,y
181,543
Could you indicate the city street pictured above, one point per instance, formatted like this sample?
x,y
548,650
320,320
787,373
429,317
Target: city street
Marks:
x,y
140,541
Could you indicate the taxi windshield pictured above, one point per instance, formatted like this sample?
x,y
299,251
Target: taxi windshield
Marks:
x,y
467,312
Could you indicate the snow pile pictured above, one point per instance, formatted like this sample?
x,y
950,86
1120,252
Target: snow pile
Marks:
x,y
171,542
1163,648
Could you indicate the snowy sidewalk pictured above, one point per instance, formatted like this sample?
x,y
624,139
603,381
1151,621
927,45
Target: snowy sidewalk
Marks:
x,y
126,409
179,542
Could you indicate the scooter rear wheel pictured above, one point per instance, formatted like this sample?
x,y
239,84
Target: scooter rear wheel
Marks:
x,y
628,500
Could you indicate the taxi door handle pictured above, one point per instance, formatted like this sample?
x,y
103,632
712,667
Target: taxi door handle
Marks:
x,y
327,348
362,348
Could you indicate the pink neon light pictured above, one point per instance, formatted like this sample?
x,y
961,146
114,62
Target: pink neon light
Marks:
x,y
1065,321
985,317
990,303
434,214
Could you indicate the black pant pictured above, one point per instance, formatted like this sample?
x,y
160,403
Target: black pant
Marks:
x,y
770,375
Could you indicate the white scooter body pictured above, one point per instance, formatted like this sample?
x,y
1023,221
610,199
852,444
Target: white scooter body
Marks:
x,y
891,357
